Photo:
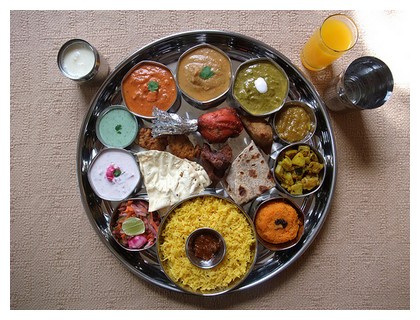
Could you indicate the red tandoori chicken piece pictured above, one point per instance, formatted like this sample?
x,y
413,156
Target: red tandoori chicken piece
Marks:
x,y
219,125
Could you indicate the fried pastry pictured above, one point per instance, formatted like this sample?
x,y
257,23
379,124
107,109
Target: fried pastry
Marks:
x,y
181,146
147,141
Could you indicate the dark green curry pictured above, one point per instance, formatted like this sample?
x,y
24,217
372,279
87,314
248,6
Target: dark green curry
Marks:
x,y
254,101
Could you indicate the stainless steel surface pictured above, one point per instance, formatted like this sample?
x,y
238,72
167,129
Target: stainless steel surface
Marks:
x,y
237,282
100,68
367,83
103,113
279,155
199,261
90,179
244,64
114,218
239,48
275,196
175,105
303,105
208,103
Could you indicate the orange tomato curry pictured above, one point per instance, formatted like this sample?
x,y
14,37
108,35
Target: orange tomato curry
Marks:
x,y
149,86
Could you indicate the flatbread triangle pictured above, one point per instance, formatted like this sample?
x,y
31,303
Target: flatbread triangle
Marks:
x,y
249,175
169,179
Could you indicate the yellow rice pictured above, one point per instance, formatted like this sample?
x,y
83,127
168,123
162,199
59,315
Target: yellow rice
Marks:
x,y
222,216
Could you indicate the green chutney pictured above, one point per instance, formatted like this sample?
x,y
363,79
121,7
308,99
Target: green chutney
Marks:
x,y
117,127
253,101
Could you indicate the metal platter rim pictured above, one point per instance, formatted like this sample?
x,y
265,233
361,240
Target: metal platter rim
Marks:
x,y
232,35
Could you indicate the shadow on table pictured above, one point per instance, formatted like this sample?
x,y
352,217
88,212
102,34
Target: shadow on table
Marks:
x,y
259,297
88,91
351,133
321,79
349,125
236,300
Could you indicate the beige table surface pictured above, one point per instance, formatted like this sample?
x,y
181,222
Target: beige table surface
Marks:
x,y
359,260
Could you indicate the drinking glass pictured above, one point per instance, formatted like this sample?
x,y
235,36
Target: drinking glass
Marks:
x,y
367,83
337,35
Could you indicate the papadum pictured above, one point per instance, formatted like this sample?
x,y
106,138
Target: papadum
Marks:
x,y
169,179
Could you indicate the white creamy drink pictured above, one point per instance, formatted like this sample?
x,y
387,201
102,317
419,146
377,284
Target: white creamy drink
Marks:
x,y
114,174
78,60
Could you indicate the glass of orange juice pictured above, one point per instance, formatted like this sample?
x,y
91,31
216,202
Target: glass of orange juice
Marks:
x,y
337,35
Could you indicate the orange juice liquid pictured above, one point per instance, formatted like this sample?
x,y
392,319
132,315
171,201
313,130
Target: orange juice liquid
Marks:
x,y
328,44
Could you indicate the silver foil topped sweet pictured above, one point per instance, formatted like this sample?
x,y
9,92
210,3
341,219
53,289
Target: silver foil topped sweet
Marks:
x,y
166,123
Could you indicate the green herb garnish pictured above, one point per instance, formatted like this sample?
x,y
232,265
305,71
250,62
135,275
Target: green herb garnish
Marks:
x,y
206,73
118,128
153,86
117,172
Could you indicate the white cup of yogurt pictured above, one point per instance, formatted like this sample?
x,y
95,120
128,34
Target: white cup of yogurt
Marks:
x,y
114,174
78,60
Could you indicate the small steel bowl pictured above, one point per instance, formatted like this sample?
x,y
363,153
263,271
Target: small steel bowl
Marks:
x,y
202,262
114,218
288,244
111,191
290,104
114,126
246,64
100,67
164,263
172,108
281,155
214,101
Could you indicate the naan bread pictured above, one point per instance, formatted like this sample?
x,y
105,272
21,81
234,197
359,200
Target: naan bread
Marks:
x,y
169,179
249,175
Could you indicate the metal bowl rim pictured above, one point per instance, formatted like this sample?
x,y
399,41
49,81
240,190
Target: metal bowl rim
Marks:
x,y
319,155
304,105
135,67
250,222
301,216
91,73
195,36
255,60
205,229
216,100
143,197
104,112
96,158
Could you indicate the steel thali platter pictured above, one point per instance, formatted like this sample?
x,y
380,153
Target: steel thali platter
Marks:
x,y
167,51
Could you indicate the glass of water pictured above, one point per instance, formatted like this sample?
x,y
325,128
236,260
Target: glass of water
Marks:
x,y
367,83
